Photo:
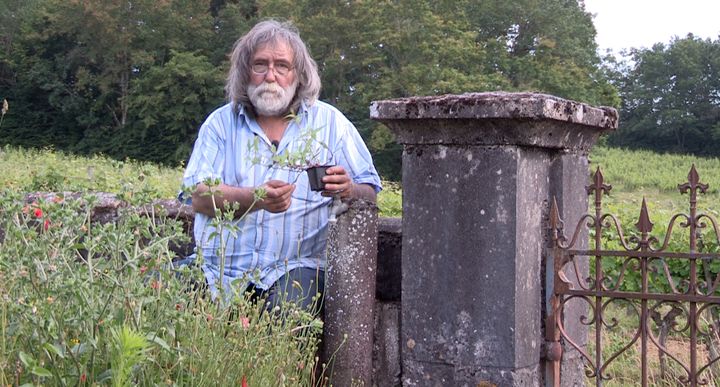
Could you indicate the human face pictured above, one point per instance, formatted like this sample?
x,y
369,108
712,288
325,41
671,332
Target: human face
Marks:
x,y
271,92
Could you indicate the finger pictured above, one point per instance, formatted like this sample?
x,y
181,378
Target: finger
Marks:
x,y
336,170
336,179
279,192
276,183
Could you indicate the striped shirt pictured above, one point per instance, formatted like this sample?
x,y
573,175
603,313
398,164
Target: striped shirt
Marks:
x,y
233,148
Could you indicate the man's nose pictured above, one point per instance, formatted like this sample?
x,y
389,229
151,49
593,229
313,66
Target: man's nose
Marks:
x,y
270,75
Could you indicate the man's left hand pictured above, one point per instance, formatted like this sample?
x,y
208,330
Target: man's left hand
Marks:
x,y
337,182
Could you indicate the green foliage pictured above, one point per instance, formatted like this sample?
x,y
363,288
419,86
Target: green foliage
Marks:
x,y
630,171
390,200
136,79
669,97
87,303
656,178
46,170
170,103
127,349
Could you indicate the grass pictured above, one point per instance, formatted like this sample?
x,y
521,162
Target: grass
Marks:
x,y
48,170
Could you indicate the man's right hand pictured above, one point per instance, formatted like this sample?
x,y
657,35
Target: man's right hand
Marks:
x,y
278,196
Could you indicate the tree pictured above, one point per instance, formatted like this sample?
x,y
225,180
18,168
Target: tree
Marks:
x,y
671,97
82,75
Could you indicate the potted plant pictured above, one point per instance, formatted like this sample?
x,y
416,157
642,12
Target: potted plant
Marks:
x,y
304,158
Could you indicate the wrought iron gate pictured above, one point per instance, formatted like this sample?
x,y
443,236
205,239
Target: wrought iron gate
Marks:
x,y
664,291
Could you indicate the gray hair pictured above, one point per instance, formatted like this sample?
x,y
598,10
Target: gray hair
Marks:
x,y
269,32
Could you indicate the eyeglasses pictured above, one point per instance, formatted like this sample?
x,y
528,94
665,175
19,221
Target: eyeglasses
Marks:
x,y
281,69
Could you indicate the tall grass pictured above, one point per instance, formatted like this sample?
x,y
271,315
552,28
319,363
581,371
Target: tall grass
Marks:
x,y
641,170
50,170
86,304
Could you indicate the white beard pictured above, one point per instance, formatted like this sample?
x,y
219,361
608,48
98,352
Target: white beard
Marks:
x,y
269,99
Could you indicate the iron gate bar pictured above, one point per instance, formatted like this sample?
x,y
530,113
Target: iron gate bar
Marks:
x,y
640,252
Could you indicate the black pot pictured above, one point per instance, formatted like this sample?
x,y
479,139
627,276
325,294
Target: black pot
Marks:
x,y
315,175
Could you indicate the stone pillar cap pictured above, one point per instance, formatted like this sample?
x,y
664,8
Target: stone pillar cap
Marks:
x,y
495,105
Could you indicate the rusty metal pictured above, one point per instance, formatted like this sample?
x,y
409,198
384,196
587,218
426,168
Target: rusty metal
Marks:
x,y
650,257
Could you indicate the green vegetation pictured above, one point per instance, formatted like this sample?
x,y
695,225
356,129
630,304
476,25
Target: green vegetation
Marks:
x,y
669,97
47,170
88,304
634,175
136,79
163,355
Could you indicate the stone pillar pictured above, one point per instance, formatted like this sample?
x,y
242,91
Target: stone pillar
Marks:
x,y
478,173
350,295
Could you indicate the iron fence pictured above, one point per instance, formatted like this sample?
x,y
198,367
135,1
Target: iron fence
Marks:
x,y
649,285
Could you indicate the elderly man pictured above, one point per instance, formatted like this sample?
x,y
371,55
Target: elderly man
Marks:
x,y
279,249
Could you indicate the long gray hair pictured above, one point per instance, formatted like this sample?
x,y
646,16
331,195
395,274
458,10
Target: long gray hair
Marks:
x,y
269,32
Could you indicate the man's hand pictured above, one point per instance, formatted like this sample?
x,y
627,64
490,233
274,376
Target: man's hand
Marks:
x,y
338,182
278,196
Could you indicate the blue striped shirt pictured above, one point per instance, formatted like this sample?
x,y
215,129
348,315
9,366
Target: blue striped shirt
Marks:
x,y
267,245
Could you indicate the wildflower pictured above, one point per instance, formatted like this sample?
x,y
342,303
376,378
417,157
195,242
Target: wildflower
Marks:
x,y
38,213
245,322
244,382
46,224
143,269
209,317
74,341
83,378
178,307
155,284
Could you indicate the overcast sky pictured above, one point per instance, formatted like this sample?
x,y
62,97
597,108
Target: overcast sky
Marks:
x,y
642,23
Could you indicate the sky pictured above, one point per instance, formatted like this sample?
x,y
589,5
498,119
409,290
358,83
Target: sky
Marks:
x,y
642,23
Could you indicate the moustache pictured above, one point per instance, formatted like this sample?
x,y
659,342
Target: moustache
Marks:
x,y
266,87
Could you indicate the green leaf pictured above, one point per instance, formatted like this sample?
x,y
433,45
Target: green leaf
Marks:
x,y
26,359
40,371
157,340
52,348
104,376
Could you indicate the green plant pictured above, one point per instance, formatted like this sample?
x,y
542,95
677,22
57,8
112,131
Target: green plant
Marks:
x,y
87,303
306,152
127,349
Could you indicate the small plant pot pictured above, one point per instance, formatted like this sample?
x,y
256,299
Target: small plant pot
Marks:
x,y
315,175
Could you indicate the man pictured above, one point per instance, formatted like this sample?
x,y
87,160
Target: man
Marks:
x,y
280,244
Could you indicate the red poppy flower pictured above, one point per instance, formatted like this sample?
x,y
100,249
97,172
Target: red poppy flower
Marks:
x,y
244,382
38,213
46,224
83,378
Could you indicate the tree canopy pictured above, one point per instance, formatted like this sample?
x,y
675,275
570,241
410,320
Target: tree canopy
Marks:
x,y
671,97
136,78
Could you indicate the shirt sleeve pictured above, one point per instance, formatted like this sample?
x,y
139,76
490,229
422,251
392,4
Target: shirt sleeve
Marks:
x,y
207,158
353,154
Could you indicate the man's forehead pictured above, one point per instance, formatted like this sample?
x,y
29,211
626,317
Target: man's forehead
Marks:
x,y
276,47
